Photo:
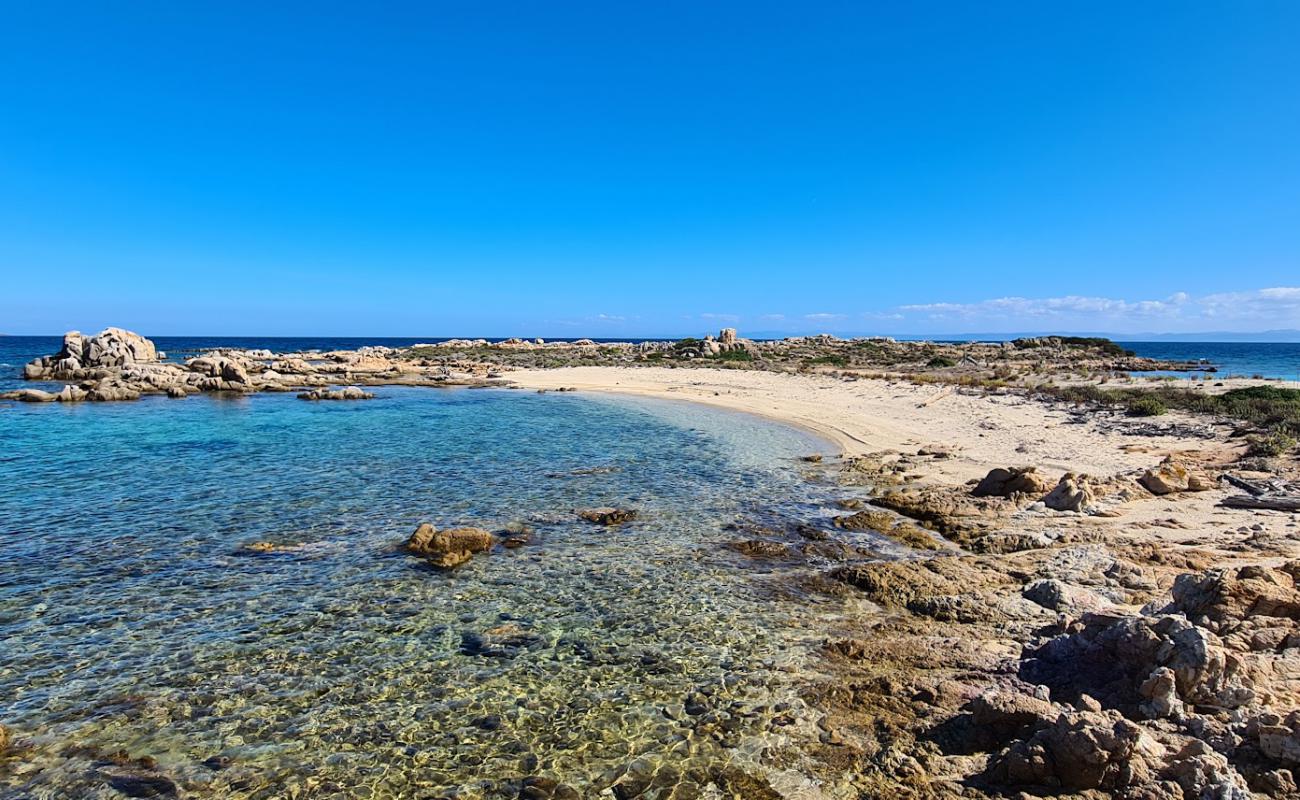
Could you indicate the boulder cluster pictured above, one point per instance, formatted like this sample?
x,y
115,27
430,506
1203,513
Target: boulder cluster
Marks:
x,y
1196,694
117,364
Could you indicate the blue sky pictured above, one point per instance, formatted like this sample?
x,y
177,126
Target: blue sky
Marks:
x,y
663,168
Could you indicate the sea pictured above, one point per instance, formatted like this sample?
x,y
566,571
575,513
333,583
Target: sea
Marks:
x,y
140,637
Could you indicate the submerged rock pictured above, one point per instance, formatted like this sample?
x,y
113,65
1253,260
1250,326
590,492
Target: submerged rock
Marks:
x,y
607,515
448,548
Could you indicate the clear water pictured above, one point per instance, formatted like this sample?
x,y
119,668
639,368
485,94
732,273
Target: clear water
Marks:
x,y
130,620
1280,360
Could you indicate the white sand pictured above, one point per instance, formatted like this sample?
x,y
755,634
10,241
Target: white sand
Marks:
x,y
870,415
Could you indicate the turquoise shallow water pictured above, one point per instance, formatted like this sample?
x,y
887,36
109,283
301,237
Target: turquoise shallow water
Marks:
x,y
131,621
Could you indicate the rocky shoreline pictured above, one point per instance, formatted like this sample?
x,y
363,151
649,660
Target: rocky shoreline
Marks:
x,y
1049,602
117,365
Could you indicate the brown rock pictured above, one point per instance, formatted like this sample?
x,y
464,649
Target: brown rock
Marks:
x,y
448,548
1072,493
607,515
1001,482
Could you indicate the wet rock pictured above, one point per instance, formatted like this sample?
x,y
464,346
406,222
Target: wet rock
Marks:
x,y
607,515
759,548
539,788
32,396
141,784
503,641
1000,482
448,548
346,393
1072,493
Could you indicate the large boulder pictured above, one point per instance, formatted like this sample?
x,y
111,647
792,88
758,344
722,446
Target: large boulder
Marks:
x,y
110,348
1000,482
1072,493
450,547
1080,750
1171,477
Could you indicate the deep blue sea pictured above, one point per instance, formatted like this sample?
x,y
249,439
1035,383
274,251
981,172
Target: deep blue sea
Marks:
x,y
131,620
1238,359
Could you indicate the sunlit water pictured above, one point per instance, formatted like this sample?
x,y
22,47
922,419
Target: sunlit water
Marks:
x,y
130,620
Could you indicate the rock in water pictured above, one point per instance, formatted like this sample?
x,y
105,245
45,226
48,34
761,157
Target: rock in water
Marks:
x,y
111,347
448,548
347,393
607,515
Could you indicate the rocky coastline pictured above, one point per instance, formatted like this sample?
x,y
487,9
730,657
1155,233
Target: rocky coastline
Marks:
x,y
1084,613
118,365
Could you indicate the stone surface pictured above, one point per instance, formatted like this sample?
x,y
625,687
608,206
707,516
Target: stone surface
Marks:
x,y
450,547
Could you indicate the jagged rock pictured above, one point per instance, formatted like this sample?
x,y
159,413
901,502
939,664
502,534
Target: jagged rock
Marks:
x,y
1001,482
1111,657
6,738
177,392
1080,750
607,515
1059,596
1006,713
448,548
1072,493
71,394
1279,738
1217,595
1160,693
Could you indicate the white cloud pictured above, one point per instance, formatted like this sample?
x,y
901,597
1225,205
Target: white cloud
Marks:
x,y
823,317
1274,307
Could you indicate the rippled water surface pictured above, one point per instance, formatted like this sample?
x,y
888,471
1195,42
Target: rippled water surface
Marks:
x,y
131,623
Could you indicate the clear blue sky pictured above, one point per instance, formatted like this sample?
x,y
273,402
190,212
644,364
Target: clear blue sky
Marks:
x,y
614,169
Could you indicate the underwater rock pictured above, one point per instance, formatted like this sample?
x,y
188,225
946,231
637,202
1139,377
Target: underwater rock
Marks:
x,y
448,548
607,515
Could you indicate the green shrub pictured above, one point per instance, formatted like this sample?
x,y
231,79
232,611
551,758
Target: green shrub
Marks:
x,y
1146,407
941,361
734,355
831,360
1270,445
